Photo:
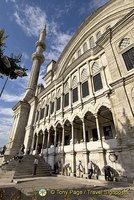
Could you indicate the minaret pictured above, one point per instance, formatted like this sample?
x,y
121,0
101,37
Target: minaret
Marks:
x,y
38,59
21,129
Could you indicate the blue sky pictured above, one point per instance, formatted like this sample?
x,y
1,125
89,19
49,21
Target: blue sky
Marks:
x,y
23,21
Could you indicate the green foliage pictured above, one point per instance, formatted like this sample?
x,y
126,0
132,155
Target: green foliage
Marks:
x,y
2,38
9,65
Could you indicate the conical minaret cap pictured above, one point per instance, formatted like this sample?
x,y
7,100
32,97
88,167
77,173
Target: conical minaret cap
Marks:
x,y
43,34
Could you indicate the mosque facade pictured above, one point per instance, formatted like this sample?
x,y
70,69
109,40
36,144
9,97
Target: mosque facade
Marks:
x,y
86,111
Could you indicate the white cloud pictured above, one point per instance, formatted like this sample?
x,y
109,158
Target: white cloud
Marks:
x,y
11,98
25,55
30,19
6,111
11,1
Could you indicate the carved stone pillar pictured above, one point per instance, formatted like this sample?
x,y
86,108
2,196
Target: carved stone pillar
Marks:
x,y
98,127
36,150
85,152
73,153
43,142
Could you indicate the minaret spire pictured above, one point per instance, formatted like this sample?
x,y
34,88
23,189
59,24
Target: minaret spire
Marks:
x,y
38,59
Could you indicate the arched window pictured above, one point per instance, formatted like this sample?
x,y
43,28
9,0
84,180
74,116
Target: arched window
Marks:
x,y
91,42
84,74
96,77
75,81
58,100
128,56
85,89
85,47
58,92
79,53
124,43
66,87
66,96
42,113
75,90
95,68
98,35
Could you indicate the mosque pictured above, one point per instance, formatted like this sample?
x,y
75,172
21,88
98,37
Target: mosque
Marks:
x,y
86,110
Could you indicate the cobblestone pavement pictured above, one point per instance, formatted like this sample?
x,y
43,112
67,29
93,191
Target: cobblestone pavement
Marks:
x,y
66,188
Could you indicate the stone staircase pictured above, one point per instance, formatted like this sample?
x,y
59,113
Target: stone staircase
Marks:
x,y
24,169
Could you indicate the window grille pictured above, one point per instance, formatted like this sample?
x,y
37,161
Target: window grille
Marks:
x,y
52,107
85,89
74,81
66,103
97,82
128,57
124,43
58,92
75,95
66,87
95,68
47,110
37,116
84,74
42,113
58,103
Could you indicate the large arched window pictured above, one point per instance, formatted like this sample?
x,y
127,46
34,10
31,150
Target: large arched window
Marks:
x,y
85,47
124,43
42,113
58,99
128,55
52,103
85,89
91,42
96,77
66,96
75,89
98,35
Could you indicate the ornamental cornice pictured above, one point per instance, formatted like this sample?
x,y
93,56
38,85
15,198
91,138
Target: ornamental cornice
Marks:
x,y
41,44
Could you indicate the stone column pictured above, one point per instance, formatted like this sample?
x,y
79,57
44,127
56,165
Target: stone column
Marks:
x,y
36,144
73,152
70,92
85,152
32,146
38,59
63,137
101,151
98,127
48,140
43,142
62,99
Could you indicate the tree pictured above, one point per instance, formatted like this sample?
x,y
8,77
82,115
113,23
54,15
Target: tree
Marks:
x,y
9,65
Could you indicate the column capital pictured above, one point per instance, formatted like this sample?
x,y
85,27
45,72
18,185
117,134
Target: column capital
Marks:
x,y
96,115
